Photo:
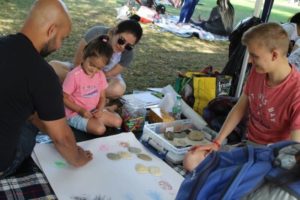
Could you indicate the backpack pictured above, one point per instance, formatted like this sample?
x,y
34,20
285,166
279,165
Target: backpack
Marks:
x,y
230,175
237,52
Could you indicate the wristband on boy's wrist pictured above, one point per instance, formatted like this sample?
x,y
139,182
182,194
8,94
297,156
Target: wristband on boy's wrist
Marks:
x,y
217,143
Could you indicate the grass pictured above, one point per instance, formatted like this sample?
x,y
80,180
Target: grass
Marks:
x,y
159,55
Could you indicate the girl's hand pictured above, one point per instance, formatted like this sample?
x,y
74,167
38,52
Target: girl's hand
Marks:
x,y
85,113
98,113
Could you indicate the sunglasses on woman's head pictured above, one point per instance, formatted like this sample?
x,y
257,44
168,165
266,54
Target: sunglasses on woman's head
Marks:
x,y
121,41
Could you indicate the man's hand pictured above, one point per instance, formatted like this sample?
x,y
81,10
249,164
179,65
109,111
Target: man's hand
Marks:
x,y
65,143
84,156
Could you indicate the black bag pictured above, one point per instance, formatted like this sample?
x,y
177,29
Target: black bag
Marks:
x,y
216,112
237,52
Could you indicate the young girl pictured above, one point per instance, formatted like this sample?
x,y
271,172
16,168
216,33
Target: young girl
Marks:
x,y
84,90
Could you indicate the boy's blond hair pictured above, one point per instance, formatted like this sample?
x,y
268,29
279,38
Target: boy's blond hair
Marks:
x,y
270,35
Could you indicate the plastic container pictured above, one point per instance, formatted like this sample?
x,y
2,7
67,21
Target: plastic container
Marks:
x,y
153,134
133,115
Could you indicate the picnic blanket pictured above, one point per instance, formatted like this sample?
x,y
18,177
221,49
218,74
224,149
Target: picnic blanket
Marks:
x,y
168,23
27,183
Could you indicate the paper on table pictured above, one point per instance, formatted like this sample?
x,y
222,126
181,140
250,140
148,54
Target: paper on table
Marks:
x,y
155,89
144,97
108,179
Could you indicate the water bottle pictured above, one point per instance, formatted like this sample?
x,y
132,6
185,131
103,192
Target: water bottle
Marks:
x,y
176,110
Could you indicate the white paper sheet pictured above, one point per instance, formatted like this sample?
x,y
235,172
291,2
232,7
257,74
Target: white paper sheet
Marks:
x,y
144,97
108,179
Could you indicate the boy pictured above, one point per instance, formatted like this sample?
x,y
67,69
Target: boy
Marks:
x,y
271,94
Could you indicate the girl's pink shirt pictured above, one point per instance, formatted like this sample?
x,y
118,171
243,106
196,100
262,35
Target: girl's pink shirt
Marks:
x,y
83,90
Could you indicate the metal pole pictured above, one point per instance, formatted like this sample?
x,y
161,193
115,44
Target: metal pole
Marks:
x,y
256,13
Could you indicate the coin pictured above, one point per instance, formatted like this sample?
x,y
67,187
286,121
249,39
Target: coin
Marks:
x,y
179,143
134,150
154,170
113,156
180,135
142,169
125,154
169,135
195,135
144,157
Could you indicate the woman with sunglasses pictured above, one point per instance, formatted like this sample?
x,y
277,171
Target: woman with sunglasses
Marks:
x,y
122,38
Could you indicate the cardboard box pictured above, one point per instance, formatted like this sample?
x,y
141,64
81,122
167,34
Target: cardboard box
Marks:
x,y
155,115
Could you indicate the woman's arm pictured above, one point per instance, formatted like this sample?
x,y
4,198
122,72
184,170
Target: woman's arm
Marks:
x,y
117,69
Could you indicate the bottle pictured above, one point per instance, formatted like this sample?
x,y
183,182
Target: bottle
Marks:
x,y
176,110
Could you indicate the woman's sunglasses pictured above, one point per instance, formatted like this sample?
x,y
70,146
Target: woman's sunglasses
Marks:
x,y
121,41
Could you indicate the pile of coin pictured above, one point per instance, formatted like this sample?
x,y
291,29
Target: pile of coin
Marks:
x,y
191,134
142,169
128,154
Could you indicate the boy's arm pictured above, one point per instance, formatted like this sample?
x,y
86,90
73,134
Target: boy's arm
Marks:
x,y
234,117
232,120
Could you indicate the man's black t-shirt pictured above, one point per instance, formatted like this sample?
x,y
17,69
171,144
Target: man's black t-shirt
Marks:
x,y
27,84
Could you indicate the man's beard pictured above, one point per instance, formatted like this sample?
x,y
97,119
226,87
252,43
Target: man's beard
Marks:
x,y
46,50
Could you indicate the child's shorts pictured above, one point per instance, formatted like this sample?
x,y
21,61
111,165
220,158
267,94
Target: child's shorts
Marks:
x,y
78,122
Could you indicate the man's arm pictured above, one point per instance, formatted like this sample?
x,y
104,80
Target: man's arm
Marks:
x,y
79,52
295,135
64,141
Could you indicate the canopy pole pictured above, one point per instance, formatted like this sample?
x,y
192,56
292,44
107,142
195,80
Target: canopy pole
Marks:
x,y
256,13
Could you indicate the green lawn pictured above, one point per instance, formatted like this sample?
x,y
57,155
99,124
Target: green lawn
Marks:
x,y
281,10
159,55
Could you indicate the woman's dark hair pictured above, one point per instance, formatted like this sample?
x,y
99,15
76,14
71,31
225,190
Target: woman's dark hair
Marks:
x,y
227,14
296,19
129,26
98,47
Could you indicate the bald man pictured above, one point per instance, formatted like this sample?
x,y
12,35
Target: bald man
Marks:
x,y
29,88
